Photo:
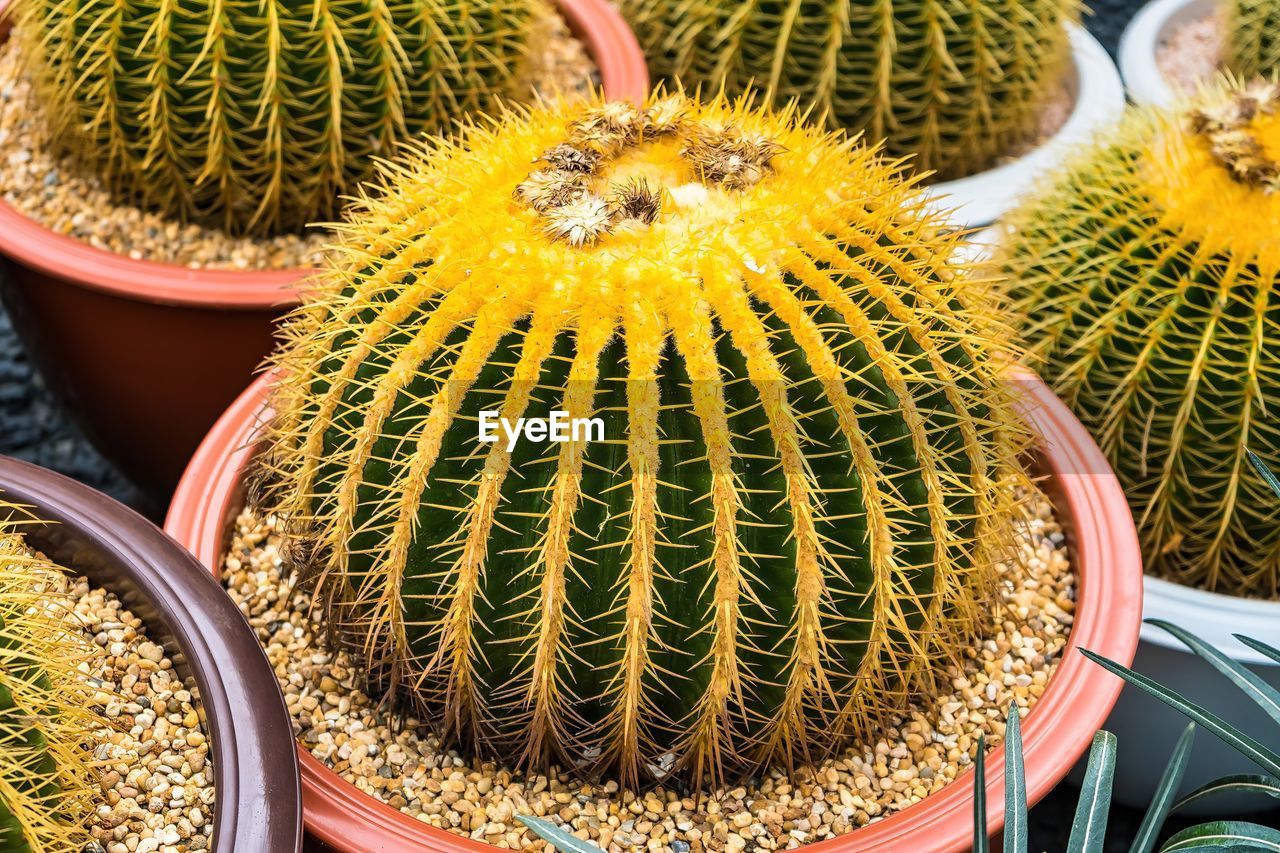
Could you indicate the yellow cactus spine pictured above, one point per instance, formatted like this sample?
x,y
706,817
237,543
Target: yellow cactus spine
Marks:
x,y
1147,277
802,484
45,718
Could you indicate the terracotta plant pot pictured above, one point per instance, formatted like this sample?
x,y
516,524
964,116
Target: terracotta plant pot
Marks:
x,y
1104,551
258,804
147,355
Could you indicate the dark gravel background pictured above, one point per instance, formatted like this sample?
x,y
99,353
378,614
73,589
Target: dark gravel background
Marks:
x,y
32,427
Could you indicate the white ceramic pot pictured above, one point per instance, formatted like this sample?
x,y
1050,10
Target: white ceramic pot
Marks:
x,y
1147,728
1148,30
1097,100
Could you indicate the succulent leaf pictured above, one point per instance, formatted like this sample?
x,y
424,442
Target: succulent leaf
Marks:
x,y
955,84
1146,279
257,116
804,483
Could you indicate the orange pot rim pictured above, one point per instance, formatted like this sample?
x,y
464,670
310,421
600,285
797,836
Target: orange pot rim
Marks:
x,y
624,75
1105,556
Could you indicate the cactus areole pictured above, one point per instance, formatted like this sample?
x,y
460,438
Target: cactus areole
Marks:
x,y
793,516
1147,276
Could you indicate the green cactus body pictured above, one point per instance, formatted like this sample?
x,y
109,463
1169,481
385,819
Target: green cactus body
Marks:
x,y
1146,277
1251,46
257,116
792,516
45,721
956,85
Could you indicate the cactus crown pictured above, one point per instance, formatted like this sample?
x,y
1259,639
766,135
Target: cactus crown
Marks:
x,y
955,85
793,512
1251,47
1146,276
45,721
257,117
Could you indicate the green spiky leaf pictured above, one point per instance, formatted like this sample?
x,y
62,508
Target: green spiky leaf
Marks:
x,y
557,837
1229,734
981,842
1089,826
1222,836
1015,786
1245,783
1144,840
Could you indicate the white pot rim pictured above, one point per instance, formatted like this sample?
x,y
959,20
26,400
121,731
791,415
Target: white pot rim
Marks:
x,y
983,198
1142,38
1212,616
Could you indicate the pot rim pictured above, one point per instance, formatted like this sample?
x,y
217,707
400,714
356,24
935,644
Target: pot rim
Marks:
x,y
1075,704
1216,617
1141,40
977,200
623,75
258,803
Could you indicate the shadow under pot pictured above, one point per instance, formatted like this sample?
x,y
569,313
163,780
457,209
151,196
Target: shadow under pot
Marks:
x,y
235,708
1102,549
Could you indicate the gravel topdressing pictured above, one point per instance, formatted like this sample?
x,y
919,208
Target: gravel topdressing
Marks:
x,y
405,766
155,790
48,188
1191,54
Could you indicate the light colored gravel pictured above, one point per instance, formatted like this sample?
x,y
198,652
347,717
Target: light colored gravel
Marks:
x,y
405,766
48,188
1191,54
155,777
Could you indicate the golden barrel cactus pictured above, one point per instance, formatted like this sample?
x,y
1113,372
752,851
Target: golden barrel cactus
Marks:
x,y
955,85
1251,43
259,116
1146,279
791,515
45,721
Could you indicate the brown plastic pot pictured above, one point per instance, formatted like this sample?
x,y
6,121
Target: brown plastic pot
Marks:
x,y
1104,552
147,355
258,806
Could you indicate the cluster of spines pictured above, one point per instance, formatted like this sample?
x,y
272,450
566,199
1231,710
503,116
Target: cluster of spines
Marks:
x,y
955,85
257,117
793,519
1251,43
46,724
1151,310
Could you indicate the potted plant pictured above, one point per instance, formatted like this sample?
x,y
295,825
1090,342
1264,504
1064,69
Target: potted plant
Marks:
x,y
155,693
1143,279
982,98
236,125
1171,47
611,277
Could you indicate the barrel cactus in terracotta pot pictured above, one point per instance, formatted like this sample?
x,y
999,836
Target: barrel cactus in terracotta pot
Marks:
x,y
802,477
1145,277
